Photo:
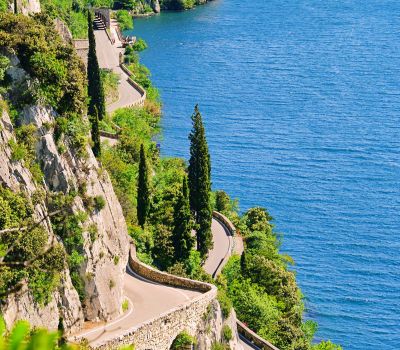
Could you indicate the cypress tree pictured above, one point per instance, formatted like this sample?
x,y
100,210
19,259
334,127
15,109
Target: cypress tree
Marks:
x,y
182,238
143,197
94,121
200,183
95,85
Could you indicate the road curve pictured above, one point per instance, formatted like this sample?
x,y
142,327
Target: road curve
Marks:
x,y
222,247
108,57
147,299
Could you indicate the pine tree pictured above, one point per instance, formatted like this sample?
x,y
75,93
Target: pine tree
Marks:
x,y
182,238
200,183
94,121
143,197
95,85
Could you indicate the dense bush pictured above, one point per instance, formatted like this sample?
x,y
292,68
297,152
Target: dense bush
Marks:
x,y
26,253
124,19
227,333
182,341
178,4
55,67
139,45
263,290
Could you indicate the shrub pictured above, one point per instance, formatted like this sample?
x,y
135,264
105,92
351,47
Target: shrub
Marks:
x,y
227,333
125,305
225,303
139,45
219,346
99,202
79,285
182,340
18,151
124,19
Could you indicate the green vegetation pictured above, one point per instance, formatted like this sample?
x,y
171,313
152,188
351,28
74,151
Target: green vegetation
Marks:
x,y
124,19
178,4
25,254
182,341
95,83
262,288
3,5
57,80
200,183
143,202
69,226
139,45
125,305
219,346
227,334
97,104
110,82
54,66
23,337
182,238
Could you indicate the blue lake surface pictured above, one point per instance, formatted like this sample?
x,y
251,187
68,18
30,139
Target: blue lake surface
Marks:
x,y
301,102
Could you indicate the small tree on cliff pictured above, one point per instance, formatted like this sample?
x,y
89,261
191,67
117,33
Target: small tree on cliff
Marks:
x,y
200,183
143,197
95,85
182,238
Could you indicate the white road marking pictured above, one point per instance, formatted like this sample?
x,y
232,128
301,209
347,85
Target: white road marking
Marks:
x,y
111,323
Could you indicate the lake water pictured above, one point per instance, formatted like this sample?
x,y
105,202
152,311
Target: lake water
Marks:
x,y
301,102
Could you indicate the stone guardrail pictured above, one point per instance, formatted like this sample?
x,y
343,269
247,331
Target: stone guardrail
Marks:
x,y
228,223
110,36
253,337
155,275
133,83
243,330
232,230
109,135
159,332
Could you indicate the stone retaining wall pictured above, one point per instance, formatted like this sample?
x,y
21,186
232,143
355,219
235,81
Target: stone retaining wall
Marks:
x,y
133,83
109,135
228,223
159,333
254,337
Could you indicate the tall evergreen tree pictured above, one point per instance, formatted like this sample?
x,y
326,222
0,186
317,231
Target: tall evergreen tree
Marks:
x,y
95,85
200,183
143,197
182,238
94,121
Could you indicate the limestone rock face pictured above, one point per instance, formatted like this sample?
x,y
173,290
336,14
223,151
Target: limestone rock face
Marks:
x,y
65,303
26,7
106,256
211,328
155,5
105,252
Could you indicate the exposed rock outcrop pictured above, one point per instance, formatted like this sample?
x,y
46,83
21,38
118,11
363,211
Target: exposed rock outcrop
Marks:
x,y
155,5
65,303
211,328
26,7
105,256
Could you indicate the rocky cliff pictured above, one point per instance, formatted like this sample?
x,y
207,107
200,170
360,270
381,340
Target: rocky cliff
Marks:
x,y
104,231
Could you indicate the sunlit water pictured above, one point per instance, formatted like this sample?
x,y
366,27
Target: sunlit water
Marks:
x,y
301,104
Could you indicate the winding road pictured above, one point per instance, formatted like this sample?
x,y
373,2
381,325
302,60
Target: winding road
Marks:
x,y
146,299
223,243
108,57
